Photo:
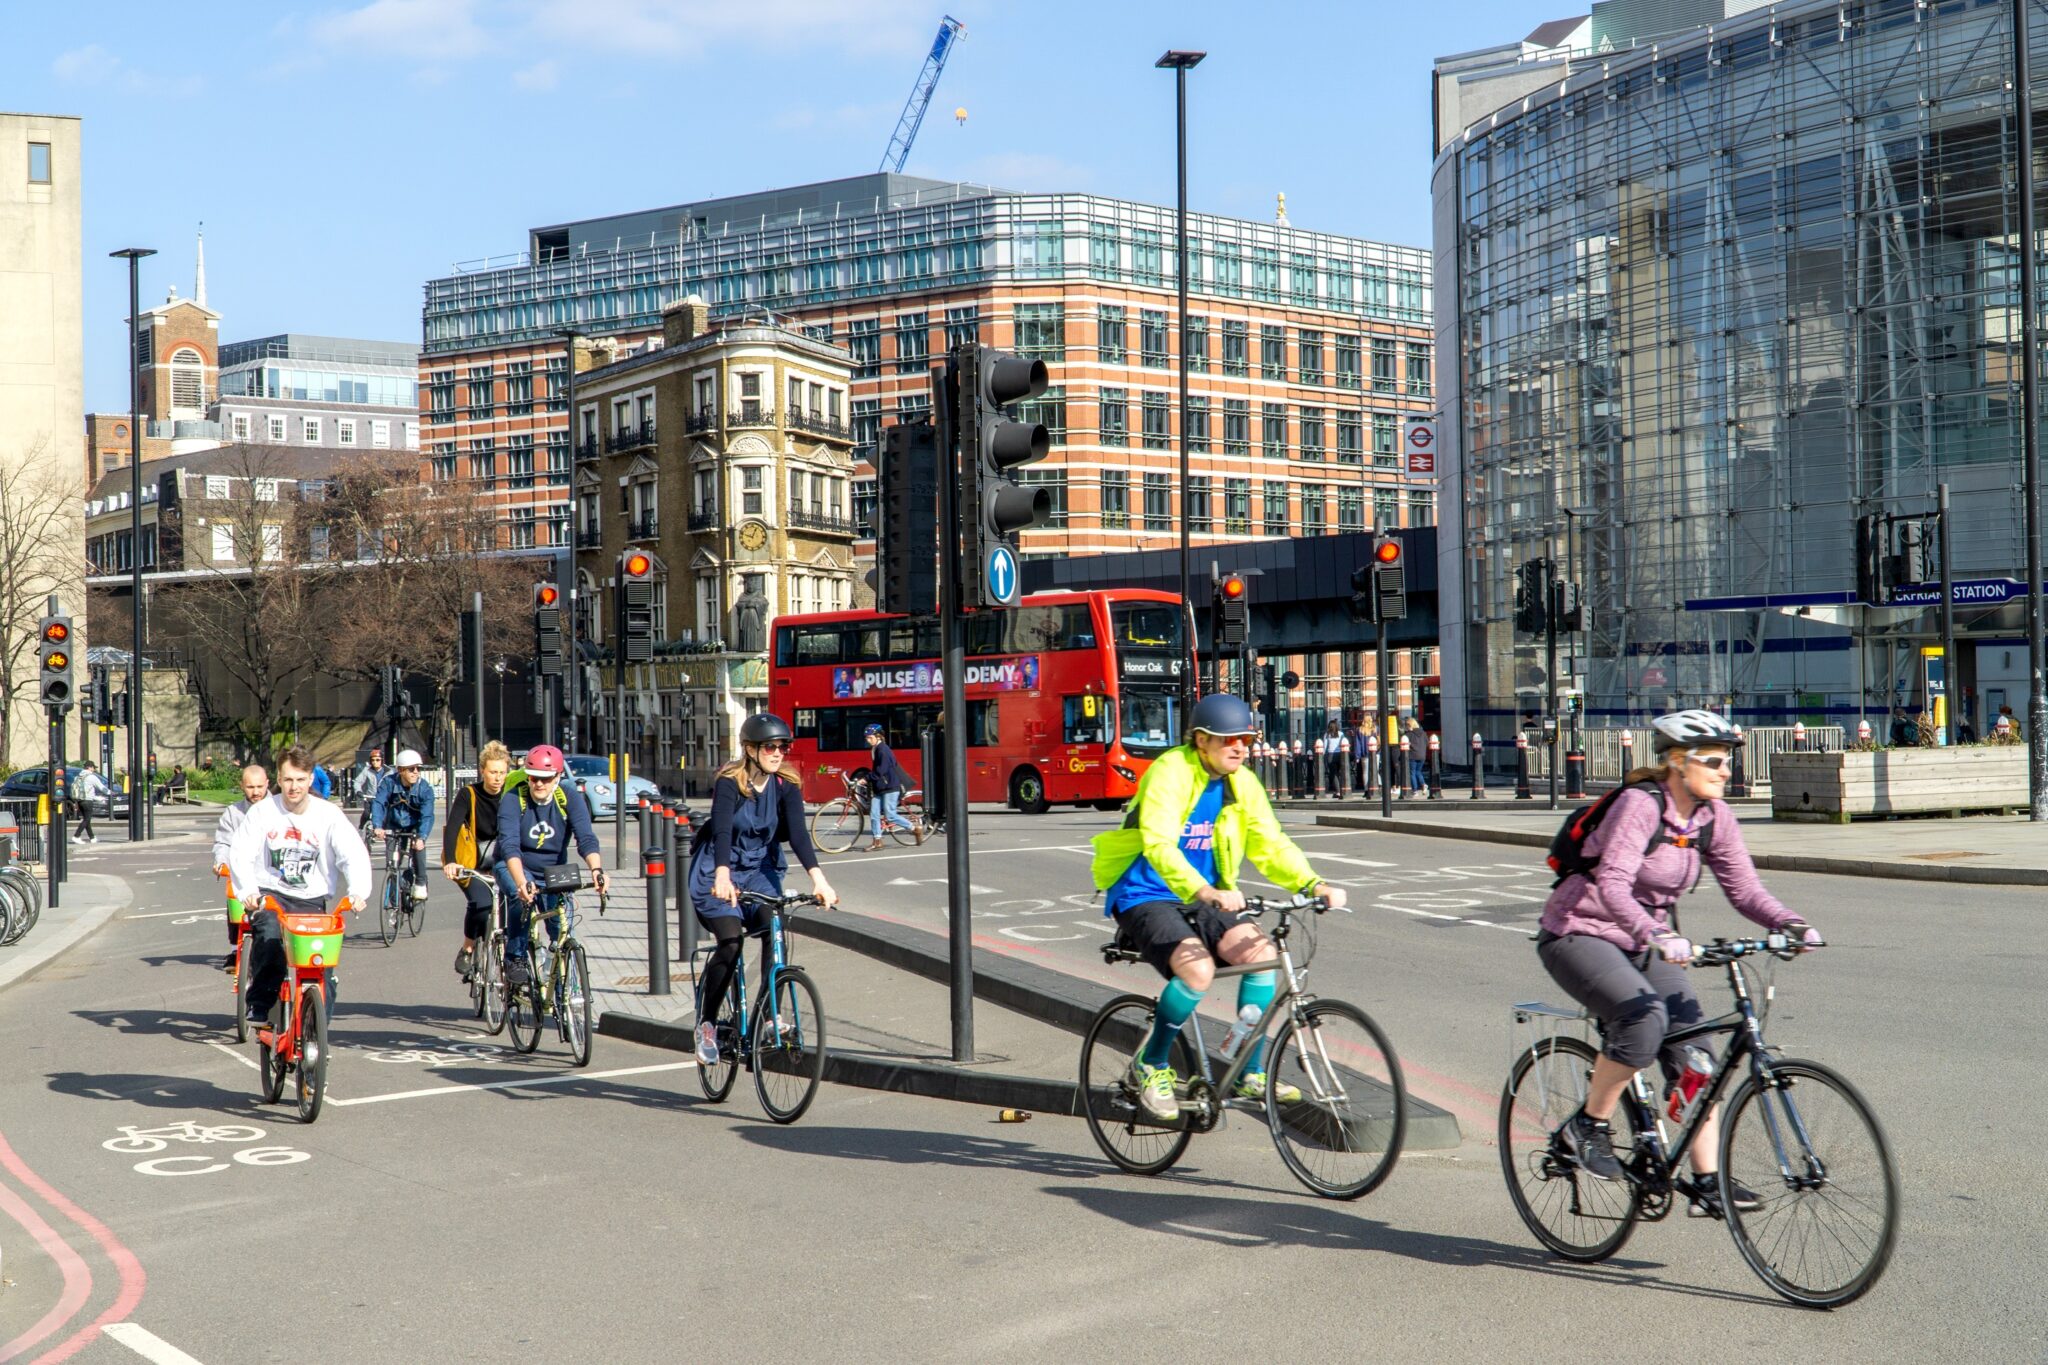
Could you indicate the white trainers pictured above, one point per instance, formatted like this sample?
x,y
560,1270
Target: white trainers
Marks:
x,y
1155,1090
707,1044
419,893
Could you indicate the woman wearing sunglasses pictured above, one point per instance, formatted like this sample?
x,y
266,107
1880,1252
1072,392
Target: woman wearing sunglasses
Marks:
x,y
756,807
1609,934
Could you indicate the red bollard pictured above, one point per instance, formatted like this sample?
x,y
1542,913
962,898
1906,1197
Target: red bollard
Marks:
x,y
1478,767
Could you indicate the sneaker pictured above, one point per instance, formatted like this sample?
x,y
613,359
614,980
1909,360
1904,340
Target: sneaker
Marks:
x,y
1706,1198
1253,1087
227,964
419,893
1590,1142
465,963
517,973
707,1044
1155,1090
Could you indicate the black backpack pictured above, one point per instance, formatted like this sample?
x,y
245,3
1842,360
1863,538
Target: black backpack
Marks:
x,y
1568,849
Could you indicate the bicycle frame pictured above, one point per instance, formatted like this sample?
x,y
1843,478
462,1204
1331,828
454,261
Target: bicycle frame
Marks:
x,y
771,935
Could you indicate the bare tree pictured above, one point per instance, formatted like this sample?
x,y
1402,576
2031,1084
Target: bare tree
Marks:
x,y
42,548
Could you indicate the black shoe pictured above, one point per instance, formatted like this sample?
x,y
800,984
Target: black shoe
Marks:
x,y
227,964
1590,1142
1706,1198
465,963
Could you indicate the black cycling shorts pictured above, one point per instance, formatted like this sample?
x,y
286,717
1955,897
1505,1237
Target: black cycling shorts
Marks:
x,y
1153,929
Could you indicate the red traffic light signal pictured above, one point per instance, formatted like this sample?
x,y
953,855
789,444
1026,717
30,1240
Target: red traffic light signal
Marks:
x,y
1232,587
546,595
1388,551
635,564
56,632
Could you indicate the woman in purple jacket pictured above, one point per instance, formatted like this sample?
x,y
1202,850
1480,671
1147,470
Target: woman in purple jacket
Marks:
x,y
1609,939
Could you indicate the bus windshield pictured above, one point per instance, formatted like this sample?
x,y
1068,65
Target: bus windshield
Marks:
x,y
1147,626
1151,722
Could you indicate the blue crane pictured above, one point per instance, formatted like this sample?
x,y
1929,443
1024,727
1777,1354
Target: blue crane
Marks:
x,y
921,95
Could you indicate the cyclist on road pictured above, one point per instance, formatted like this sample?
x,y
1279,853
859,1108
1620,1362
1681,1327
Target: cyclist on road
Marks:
x,y
294,847
885,788
255,786
757,806
536,821
367,781
1170,871
470,840
1609,935
405,807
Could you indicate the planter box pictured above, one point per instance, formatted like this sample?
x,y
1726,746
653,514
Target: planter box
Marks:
x,y
1840,787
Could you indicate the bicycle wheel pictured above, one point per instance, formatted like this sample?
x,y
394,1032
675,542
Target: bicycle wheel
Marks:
x,y
389,911
1825,1232
838,825
312,1067
912,809
30,884
1343,1136
717,1080
415,908
490,983
1576,1216
242,994
522,1010
1127,1135
789,1046
270,1066
13,915
572,1001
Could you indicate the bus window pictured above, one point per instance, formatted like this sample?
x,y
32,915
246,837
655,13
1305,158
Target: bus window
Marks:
x,y
982,731
1085,719
1151,722
800,645
1147,625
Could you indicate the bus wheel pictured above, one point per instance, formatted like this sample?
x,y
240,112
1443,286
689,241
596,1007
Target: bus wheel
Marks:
x,y
1027,792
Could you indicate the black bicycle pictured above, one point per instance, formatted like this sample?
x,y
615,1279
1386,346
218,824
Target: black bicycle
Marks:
x,y
1795,1132
401,903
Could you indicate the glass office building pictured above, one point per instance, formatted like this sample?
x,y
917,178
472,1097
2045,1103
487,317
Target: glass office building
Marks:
x,y
1707,297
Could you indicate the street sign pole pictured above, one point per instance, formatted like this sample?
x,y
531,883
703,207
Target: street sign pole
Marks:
x,y
1385,709
1550,596
1951,675
953,641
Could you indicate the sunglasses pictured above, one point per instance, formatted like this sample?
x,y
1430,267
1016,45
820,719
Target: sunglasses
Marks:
x,y
774,746
542,777
1711,762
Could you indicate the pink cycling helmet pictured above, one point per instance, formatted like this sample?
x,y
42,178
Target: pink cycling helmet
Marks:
x,y
544,760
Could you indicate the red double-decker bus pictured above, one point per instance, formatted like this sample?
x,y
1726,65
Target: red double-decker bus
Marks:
x,y
1069,695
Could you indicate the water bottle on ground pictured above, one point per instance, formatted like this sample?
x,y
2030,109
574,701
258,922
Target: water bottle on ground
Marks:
x,y
1247,1020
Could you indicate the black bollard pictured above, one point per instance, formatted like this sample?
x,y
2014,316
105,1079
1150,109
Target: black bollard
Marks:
x,y
1523,791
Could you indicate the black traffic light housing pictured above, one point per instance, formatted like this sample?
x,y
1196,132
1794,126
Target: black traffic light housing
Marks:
x,y
992,507
1532,596
906,575
1909,564
472,648
1389,577
1869,560
1231,610
54,665
547,630
636,607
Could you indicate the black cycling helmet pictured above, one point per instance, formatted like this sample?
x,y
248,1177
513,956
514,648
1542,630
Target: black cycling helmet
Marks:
x,y
1219,713
1692,729
763,726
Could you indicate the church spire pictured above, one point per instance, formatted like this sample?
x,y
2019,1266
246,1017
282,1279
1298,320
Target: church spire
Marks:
x,y
199,282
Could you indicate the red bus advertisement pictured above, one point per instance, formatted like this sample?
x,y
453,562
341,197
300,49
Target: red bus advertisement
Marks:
x,y
1069,695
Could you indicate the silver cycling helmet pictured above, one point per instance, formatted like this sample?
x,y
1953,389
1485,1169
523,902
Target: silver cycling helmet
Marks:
x,y
1692,729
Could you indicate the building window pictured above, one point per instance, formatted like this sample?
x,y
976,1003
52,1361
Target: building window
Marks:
x,y
864,507
1158,504
380,435
1350,438
317,538
1041,330
1152,338
867,427
1104,256
1147,262
1049,410
1273,430
1198,345
1040,249
1272,352
188,379
1351,509
239,425
1196,419
274,425
1273,501
1115,420
1236,347
1266,274
1315,509
1198,503
481,402
1237,507
309,430
265,490
1237,426
223,543
1158,433
524,528
864,340
1384,450
1349,361
1301,272
443,460
216,487
1418,370
1421,508
483,458
345,431
913,343
1312,434
1110,335
963,326
1310,351
519,461
1116,499
1054,481
38,163
750,490
519,388
1382,366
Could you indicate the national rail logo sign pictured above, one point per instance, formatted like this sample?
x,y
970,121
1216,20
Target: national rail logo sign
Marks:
x,y
1007,673
1418,443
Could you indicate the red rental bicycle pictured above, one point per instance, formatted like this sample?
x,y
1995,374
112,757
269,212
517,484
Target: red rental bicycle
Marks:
x,y
294,1041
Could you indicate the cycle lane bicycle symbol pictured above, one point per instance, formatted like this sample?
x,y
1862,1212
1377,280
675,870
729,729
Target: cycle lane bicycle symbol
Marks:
x,y
135,1141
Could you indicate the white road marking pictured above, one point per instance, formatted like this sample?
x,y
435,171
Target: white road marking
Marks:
x,y
514,1085
147,1344
1356,862
249,1062
221,911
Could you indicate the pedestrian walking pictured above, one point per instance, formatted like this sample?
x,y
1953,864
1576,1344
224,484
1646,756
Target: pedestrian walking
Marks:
x,y
1415,740
89,787
1358,755
885,789
1336,756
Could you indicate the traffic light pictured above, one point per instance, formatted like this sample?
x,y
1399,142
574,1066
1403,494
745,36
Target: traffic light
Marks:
x,y
1570,606
1230,620
992,508
472,671
907,521
1869,560
102,695
118,715
1909,565
1532,596
53,661
636,607
547,630
1390,578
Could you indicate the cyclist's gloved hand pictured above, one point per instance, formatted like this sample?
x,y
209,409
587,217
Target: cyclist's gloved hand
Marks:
x,y
1226,900
1675,950
1803,935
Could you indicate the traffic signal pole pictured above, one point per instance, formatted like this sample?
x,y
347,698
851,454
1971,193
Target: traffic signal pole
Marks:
x,y
953,644
1386,711
1551,595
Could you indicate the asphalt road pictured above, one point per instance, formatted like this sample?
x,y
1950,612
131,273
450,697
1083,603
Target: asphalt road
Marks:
x,y
458,1203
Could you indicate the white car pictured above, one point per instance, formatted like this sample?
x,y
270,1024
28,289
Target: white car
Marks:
x,y
592,775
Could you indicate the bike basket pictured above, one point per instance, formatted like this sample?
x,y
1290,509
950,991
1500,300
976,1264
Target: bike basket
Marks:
x,y
561,878
1532,1022
310,936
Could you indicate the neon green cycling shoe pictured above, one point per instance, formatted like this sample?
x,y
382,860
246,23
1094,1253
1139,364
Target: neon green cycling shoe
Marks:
x,y
1253,1088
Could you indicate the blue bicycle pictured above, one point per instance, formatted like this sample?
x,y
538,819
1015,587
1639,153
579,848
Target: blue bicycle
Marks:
x,y
782,1040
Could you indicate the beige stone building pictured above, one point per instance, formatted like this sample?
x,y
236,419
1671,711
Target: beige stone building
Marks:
x,y
42,385
725,453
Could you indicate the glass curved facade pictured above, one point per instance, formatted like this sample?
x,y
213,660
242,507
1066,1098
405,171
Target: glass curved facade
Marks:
x,y
1719,297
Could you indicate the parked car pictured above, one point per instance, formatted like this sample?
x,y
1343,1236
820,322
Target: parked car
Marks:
x,y
592,774
33,782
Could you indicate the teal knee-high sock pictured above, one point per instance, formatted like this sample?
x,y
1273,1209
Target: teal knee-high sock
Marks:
x,y
1176,1003
1257,989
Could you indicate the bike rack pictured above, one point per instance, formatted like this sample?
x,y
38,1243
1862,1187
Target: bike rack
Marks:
x,y
1532,1022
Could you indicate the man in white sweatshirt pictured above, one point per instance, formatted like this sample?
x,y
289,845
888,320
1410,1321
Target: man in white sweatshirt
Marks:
x,y
294,847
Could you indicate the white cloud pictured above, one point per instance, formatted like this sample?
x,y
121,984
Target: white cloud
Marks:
x,y
693,27
438,29
94,65
544,75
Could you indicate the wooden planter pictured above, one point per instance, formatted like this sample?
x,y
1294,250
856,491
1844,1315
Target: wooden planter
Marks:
x,y
1841,787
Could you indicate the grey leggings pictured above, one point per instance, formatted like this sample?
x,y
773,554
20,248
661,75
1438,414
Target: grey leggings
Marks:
x,y
1637,997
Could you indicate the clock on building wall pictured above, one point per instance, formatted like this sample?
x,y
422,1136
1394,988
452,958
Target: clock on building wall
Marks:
x,y
753,535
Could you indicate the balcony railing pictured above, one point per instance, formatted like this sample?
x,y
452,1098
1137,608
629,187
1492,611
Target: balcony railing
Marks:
x,y
630,438
642,528
819,424
703,518
588,450
589,538
753,415
703,419
817,519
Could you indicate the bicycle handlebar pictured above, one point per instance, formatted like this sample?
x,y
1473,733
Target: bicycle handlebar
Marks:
x,y
1259,905
1723,951
755,898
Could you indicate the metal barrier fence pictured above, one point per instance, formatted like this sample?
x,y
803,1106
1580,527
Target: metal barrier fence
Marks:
x,y
1605,761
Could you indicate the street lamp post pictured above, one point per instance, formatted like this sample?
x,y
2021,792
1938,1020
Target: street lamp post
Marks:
x,y
138,780
2030,419
573,679
1180,63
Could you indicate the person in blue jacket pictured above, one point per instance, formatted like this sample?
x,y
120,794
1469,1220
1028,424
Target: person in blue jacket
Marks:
x,y
404,808
536,821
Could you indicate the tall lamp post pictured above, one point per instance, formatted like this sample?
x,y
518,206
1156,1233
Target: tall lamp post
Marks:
x,y
138,780
2030,420
573,682
1180,63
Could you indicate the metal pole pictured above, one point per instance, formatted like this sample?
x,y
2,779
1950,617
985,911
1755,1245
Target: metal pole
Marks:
x,y
679,881
575,728
477,693
149,775
134,255
1550,596
657,901
953,636
1951,671
618,749
53,855
1385,691
1180,62
2030,435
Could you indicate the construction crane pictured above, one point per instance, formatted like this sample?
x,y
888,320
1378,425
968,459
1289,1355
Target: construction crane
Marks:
x,y
921,95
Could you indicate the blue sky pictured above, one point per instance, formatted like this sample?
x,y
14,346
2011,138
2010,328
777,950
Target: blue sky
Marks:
x,y
340,154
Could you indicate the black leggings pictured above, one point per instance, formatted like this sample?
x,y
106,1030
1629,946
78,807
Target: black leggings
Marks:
x,y
1638,998
476,918
730,932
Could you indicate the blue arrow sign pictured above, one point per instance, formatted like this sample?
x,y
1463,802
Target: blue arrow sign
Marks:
x,y
1003,580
